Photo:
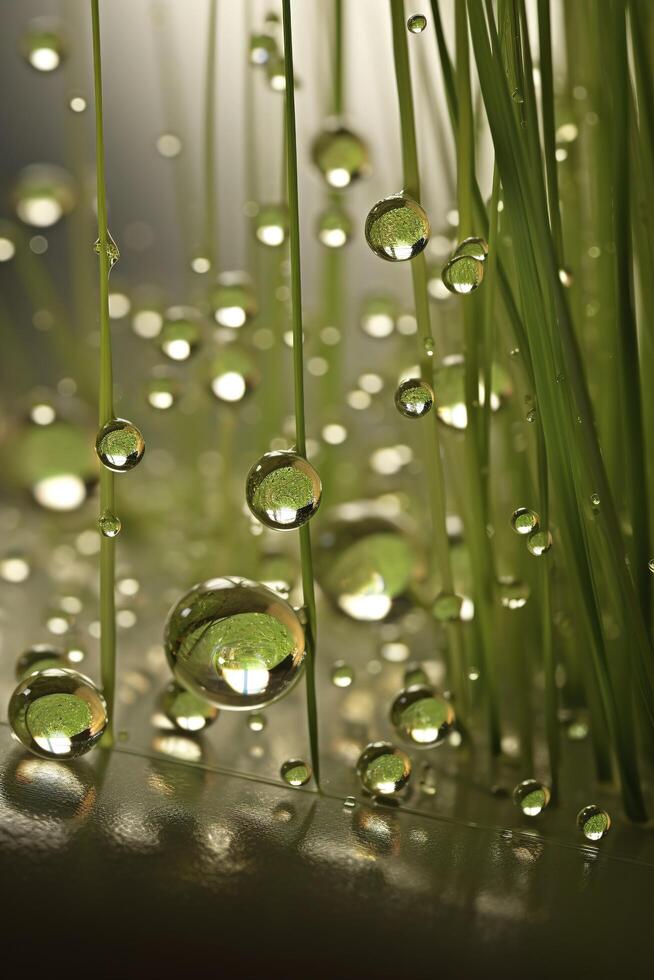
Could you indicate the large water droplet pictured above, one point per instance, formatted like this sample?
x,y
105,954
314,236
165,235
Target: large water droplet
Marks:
x,y
295,772
531,797
594,822
283,490
186,710
57,713
235,643
525,521
397,228
271,224
119,445
462,274
42,45
383,769
341,156
421,717
232,300
414,398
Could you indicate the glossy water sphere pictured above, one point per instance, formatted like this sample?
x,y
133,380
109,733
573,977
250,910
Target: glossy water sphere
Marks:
x,y
43,193
181,332
525,521
334,227
383,769
417,23
539,542
42,45
186,710
397,228
119,445
341,156
232,300
109,524
421,717
234,643
271,224
283,490
462,274
57,713
414,398
594,822
295,772
39,657
233,374
531,797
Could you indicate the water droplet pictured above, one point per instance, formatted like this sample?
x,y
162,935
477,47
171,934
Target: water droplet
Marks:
x,y
77,104
200,264
109,524
513,592
180,333
349,803
539,542
235,643
232,300
446,607
416,23
295,772
379,316
119,445
41,656
414,398
531,415
531,797
383,769
57,713
342,674
341,156
162,392
421,717
42,45
262,46
473,247
113,252
462,274
566,277
43,194
449,382
397,228
517,96
525,521
283,490
334,227
256,722
233,374
593,822
364,564
428,346
275,72
650,565
271,224
185,710
577,730
595,499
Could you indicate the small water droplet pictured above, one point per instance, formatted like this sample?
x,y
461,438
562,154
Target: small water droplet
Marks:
x,y
566,277
517,96
341,156
42,45
539,542
446,607
429,346
531,797
271,224
414,398
109,524
513,592
595,499
349,803
383,769
421,717
256,722
531,415
232,300
186,710
119,445
525,521
113,252
342,674
283,490
295,772
416,23
462,274
334,227
594,822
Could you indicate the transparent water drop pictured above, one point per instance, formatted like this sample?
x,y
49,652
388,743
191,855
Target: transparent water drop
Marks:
x,y
57,713
256,722
472,247
41,656
429,346
397,228
119,445
539,542
180,333
414,398
283,490
43,194
566,277
379,316
271,225
577,730
364,563
513,592
185,710
595,499
233,374
295,772
421,717
416,23
449,382
262,48
342,674
446,607
594,822
525,521
162,392
531,415
341,156
42,45
383,769
334,227
113,252
531,797
235,643
232,300
517,96
462,274
109,524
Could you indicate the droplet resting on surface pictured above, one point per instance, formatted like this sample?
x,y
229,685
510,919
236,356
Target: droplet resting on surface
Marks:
x,y
531,797
539,542
594,822
414,398
235,643
109,524
341,156
416,23
256,722
397,228
383,769
421,717
119,445
57,713
283,490
462,274
525,521
186,710
295,772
